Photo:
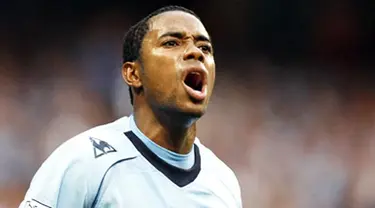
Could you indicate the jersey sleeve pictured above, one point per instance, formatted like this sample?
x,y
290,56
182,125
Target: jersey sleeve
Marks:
x,y
237,190
60,182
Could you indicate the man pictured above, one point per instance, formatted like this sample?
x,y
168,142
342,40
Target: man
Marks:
x,y
151,158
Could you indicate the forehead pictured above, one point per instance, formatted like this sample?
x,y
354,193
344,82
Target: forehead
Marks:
x,y
176,21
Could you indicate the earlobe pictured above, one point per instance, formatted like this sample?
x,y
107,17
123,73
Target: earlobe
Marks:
x,y
130,74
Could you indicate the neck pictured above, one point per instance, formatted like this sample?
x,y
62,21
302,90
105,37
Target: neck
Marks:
x,y
169,130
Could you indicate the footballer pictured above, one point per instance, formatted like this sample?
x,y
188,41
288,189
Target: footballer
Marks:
x,y
151,158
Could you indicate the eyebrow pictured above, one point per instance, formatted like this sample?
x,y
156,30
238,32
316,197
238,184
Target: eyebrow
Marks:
x,y
181,35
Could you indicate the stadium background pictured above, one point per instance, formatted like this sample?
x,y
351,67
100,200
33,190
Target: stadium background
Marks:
x,y
293,112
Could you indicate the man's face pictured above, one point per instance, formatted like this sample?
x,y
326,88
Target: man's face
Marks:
x,y
178,64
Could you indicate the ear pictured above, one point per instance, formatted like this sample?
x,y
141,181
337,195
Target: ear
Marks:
x,y
130,74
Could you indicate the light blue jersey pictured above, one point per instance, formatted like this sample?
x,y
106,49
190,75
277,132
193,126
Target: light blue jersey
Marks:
x,y
115,165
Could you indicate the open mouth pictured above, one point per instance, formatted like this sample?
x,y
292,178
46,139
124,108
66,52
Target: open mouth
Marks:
x,y
195,83
194,80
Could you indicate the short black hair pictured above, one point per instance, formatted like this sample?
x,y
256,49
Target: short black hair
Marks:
x,y
134,37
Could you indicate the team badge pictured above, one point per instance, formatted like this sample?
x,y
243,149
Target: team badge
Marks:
x,y
101,147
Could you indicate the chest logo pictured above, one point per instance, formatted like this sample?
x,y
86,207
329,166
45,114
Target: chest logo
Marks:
x,y
101,147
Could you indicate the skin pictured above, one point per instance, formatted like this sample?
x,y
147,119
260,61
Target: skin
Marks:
x,y
163,110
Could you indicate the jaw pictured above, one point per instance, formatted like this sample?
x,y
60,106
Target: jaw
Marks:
x,y
178,118
184,112
175,106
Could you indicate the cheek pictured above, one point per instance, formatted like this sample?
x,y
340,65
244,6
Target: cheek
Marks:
x,y
213,74
212,70
162,62
160,71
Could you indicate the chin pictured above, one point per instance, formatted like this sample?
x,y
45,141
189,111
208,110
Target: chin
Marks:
x,y
194,110
184,110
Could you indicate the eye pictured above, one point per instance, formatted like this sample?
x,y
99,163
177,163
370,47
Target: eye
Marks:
x,y
206,48
170,43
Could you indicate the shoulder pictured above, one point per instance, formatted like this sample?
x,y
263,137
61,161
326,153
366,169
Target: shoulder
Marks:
x,y
80,163
96,147
99,142
212,163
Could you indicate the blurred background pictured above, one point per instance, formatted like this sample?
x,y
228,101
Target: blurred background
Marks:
x,y
294,99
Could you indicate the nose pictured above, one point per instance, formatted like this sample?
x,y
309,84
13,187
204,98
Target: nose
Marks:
x,y
192,52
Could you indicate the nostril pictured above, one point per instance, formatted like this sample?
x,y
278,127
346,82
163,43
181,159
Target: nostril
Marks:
x,y
190,56
200,58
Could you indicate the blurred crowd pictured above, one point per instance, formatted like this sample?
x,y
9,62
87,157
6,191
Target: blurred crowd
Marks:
x,y
299,133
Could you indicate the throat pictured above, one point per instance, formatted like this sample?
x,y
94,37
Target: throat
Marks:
x,y
176,138
180,140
